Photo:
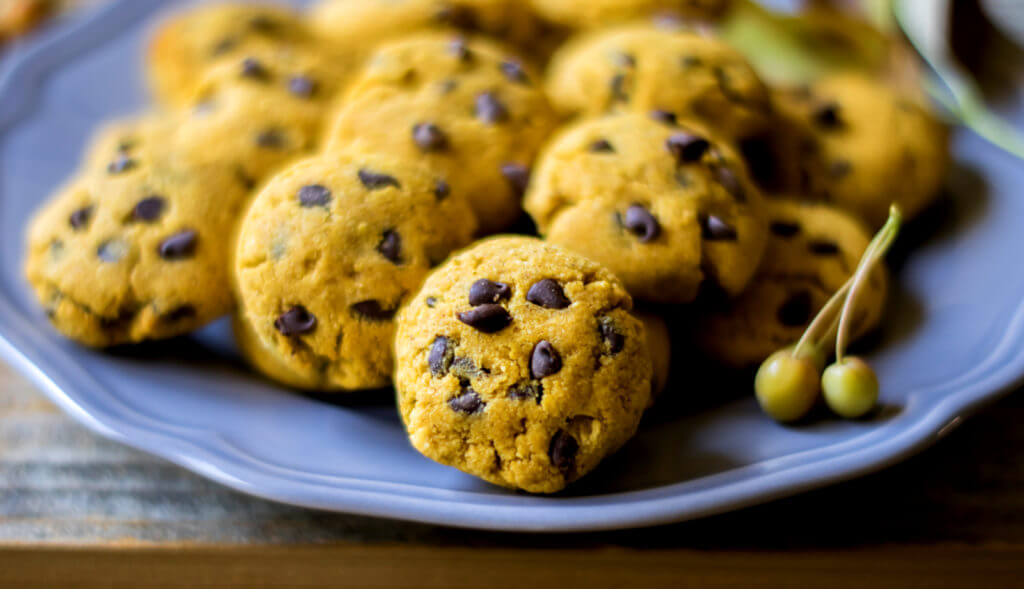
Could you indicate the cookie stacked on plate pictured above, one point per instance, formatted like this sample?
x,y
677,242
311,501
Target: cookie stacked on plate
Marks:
x,y
317,175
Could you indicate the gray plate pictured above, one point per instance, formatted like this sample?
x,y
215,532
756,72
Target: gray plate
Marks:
x,y
953,341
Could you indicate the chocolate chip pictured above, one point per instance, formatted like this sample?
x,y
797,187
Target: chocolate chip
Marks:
x,y
460,50
489,109
390,246
270,138
252,68
839,169
441,189
827,116
686,147
664,116
185,311
524,391
784,228
622,59
548,293
713,228
489,318
372,309
689,61
613,340
457,16
517,175
485,291
302,86
601,146
468,402
796,311
122,163
295,321
111,251
223,46
514,71
544,360
440,357
314,195
429,137
376,181
149,209
823,248
562,451
430,301
640,222
263,23
618,87
730,182
80,217
178,246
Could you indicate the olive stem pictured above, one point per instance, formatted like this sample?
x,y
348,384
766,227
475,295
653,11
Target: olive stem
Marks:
x,y
875,251
826,311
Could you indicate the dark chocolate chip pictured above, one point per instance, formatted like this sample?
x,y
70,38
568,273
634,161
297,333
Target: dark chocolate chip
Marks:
x,y
457,16
440,357
514,71
525,391
618,87
252,68
295,321
80,218
713,228
562,451
489,109
376,181
689,61
544,360
244,178
517,175
485,291
785,228
390,246
270,138
460,50
223,46
827,116
548,294
149,209
613,340
468,402
664,116
686,147
489,318
430,301
796,311
185,311
730,182
111,251
178,246
601,146
372,309
302,86
314,195
441,189
640,222
839,169
823,248
122,163
623,59
429,137
264,23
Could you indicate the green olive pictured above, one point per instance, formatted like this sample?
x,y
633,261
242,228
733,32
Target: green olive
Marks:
x,y
850,387
787,385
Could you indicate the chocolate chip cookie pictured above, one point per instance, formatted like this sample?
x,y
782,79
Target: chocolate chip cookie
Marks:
x,y
185,45
812,250
664,204
643,68
326,254
469,109
868,146
135,248
519,362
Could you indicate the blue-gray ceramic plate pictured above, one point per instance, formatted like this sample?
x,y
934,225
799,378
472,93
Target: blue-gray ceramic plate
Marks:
x,y
954,340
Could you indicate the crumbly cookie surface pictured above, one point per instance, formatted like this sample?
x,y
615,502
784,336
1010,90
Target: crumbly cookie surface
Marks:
x,y
812,250
662,203
326,254
520,362
468,109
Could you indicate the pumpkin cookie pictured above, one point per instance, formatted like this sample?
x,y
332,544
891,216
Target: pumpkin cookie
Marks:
x,y
812,250
327,252
467,108
665,205
519,362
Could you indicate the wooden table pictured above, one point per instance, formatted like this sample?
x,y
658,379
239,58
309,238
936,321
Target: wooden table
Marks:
x,y
76,509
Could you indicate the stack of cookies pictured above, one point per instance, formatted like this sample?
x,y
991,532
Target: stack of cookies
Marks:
x,y
322,178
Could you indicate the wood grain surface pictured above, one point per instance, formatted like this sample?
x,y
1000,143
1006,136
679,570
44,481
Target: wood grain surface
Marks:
x,y
76,507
